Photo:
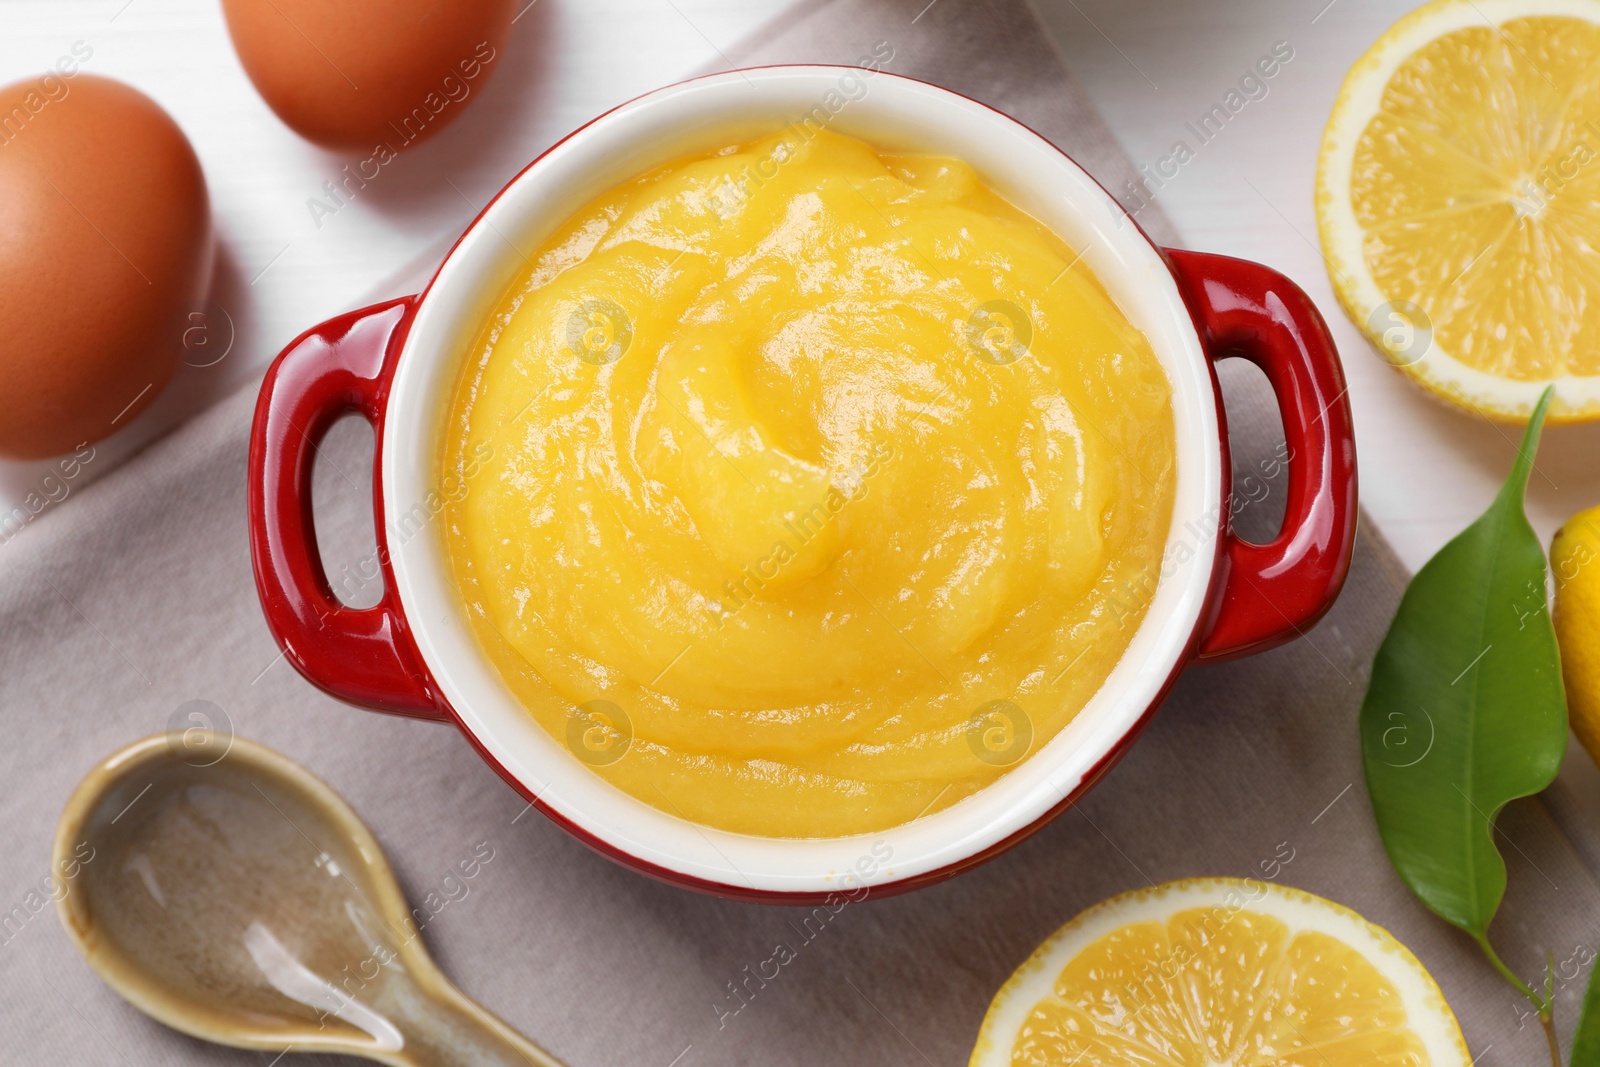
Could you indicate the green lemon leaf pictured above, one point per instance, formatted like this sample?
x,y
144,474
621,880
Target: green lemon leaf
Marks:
x,y
1465,711
1586,1042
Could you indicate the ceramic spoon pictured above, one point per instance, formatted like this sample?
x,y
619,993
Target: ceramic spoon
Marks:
x,y
231,895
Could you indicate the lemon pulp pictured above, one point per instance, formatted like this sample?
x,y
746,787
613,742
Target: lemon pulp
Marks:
x,y
805,489
1508,204
1247,994
1220,973
1459,203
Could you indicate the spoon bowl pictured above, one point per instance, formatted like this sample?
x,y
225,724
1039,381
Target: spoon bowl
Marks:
x,y
227,892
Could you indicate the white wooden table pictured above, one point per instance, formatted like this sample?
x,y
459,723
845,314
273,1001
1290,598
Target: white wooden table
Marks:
x,y
1151,65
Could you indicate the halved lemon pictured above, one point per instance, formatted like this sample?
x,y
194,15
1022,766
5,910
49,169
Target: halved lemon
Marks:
x,y
1220,972
1458,199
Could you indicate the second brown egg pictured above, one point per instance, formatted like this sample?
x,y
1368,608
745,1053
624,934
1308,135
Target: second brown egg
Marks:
x,y
365,74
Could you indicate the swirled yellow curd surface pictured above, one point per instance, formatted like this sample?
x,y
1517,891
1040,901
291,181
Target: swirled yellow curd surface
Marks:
x,y
806,488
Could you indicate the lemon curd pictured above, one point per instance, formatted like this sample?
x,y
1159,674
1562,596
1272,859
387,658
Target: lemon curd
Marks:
x,y
808,488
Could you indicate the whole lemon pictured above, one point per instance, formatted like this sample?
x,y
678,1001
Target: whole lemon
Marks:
x,y
1575,558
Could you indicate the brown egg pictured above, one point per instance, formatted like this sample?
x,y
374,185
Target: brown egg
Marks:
x,y
365,73
105,244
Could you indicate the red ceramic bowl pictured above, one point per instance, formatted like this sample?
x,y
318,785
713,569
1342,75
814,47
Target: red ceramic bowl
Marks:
x,y
396,363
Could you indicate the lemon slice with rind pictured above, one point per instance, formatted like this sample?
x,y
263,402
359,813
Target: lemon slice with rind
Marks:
x,y
1219,972
1458,199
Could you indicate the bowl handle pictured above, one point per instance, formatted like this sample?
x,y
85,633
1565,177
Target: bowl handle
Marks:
x,y
361,655
1271,593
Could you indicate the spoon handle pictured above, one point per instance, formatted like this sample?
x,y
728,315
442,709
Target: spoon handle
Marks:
x,y
452,1030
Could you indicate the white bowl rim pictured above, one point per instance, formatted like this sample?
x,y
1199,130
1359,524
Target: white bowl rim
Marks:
x,y
894,112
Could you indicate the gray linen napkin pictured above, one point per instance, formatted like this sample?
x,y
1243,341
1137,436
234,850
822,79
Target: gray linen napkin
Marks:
x,y
116,611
